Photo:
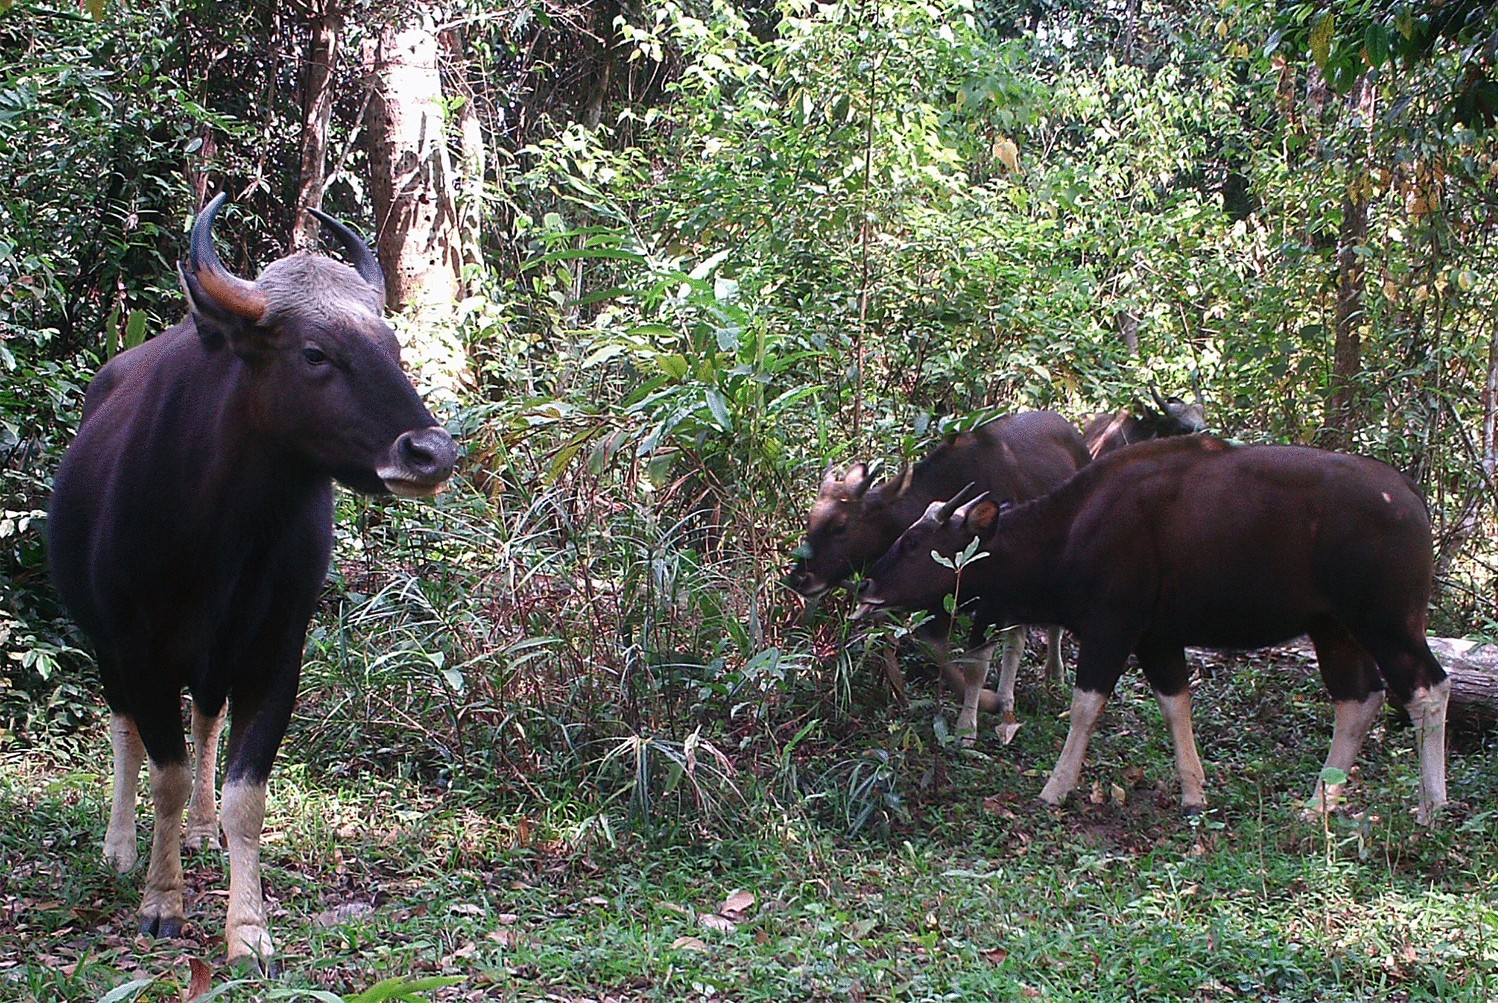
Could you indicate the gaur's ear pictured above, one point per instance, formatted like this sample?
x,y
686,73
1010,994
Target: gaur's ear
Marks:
x,y
216,325
982,517
858,480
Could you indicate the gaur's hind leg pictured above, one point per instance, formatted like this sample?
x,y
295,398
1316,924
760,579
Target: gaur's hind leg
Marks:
x,y
1164,666
202,810
1357,692
1416,678
120,847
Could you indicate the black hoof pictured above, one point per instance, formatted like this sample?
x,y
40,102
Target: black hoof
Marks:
x,y
1193,810
167,927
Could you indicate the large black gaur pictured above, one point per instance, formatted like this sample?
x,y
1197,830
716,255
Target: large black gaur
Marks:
x,y
1191,541
855,520
191,527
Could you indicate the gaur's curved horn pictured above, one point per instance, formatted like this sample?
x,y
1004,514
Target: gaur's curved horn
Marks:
x,y
1159,401
228,291
1196,388
363,257
955,501
830,478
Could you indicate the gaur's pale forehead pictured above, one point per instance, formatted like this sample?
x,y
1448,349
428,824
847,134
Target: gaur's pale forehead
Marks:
x,y
315,288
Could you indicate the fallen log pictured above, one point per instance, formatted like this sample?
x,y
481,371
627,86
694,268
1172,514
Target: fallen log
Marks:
x,y
1472,668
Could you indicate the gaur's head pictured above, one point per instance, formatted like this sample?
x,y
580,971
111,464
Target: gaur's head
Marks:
x,y
1178,417
909,577
322,378
848,529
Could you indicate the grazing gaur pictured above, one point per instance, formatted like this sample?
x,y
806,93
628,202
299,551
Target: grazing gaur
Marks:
x,y
1108,431
191,528
855,520
1191,541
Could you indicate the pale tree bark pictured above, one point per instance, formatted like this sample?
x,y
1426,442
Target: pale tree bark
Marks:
x,y
1490,413
471,162
411,181
317,111
1344,406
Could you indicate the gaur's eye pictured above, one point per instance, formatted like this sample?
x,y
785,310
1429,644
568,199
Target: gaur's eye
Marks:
x,y
315,356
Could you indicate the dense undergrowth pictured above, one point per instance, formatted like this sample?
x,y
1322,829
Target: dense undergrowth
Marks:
x,y
879,864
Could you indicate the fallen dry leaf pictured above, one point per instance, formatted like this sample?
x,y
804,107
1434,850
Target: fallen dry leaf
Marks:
x,y
199,981
688,944
712,921
507,938
340,914
996,956
737,904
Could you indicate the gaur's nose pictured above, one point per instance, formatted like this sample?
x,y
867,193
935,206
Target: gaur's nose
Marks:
x,y
427,454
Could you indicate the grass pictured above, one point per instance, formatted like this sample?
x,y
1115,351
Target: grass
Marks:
x,y
967,889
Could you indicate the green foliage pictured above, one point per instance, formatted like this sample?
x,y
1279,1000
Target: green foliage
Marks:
x,y
1348,40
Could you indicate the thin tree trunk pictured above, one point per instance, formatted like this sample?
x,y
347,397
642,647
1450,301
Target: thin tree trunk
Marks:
x,y
1344,405
317,112
602,75
1490,412
412,193
472,159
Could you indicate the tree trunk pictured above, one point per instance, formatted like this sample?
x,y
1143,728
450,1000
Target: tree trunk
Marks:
x,y
317,111
1472,668
1490,410
413,196
1344,406
601,73
470,165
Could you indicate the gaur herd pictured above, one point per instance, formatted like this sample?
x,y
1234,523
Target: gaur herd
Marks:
x,y
190,532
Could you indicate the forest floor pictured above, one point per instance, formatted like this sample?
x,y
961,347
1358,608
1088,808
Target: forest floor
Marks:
x,y
958,884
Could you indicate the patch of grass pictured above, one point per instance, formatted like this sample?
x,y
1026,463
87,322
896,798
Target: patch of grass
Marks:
x,y
971,890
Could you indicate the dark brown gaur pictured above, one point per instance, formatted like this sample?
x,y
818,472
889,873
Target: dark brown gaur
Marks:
x,y
191,527
855,519
1108,431
1191,541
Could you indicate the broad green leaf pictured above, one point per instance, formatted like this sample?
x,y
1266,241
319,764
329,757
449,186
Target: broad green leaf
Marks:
x,y
135,328
128,991
1321,39
1376,44
674,366
719,408
404,987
